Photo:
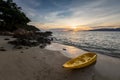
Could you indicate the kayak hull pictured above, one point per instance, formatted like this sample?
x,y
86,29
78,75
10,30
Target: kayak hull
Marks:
x,y
81,61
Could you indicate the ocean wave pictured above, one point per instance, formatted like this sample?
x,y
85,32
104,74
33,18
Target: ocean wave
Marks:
x,y
97,44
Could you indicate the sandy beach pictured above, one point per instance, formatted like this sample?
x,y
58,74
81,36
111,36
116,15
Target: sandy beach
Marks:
x,y
46,64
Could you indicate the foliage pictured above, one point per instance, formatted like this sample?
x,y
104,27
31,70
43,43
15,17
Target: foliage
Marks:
x,y
11,16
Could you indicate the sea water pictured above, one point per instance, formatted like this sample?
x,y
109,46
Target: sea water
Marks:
x,y
104,42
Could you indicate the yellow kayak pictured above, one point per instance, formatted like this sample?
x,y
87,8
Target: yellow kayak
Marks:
x,y
81,61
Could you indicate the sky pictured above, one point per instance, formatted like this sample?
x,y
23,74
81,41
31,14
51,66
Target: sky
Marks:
x,y
70,13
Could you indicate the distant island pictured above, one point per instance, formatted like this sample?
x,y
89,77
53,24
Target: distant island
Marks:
x,y
106,29
102,29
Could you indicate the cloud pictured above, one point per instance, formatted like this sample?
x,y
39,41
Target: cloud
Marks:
x,y
72,12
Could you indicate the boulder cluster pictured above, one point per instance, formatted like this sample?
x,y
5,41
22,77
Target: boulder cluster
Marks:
x,y
30,38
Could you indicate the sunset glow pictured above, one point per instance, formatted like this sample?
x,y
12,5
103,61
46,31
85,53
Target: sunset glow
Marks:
x,y
80,28
64,13
74,27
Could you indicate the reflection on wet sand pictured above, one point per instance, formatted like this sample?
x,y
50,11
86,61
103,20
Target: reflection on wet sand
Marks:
x,y
68,51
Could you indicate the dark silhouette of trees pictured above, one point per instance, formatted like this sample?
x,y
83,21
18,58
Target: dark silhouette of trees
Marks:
x,y
13,22
11,16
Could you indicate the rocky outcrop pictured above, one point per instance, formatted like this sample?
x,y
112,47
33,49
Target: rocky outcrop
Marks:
x,y
31,38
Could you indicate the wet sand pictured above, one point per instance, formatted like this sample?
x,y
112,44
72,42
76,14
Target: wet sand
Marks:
x,y
42,64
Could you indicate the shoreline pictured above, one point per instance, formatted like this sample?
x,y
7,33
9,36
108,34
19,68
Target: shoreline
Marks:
x,y
66,50
111,55
42,64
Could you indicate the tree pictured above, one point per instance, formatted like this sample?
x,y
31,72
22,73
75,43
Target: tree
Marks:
x,y
11,15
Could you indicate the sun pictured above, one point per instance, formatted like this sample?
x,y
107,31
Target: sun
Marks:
x,y
74,27
80,28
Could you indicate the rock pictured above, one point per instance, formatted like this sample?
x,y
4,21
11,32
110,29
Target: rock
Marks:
x,y
9,33
26,48
18,47
20,33
6,39
6,33
31,38
64,49
42,46
34,57
21,52
2,49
